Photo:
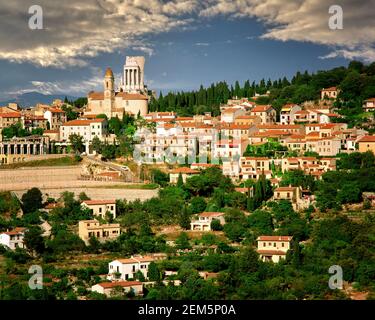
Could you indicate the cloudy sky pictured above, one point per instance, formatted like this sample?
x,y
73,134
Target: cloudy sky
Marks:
x,y
186,42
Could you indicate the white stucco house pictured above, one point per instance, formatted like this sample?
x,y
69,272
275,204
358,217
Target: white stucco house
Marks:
x,y
13,239
124,269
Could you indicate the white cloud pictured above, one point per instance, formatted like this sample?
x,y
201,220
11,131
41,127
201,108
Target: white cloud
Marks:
x,y
95,82
201,44
307,21
75,30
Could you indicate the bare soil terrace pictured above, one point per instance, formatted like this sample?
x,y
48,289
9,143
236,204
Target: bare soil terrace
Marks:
x,y
54,180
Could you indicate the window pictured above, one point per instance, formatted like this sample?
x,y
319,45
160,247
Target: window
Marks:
x,y
274,244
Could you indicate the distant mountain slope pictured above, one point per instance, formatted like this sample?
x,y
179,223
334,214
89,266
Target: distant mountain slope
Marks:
x,y
31,98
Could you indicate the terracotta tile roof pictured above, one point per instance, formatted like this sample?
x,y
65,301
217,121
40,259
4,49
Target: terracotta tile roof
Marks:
x,y
278,126
208,165
370,100
185,170
281,189
98,202
261,108
274,238
302,112
292,160
135,260
82,122
10,115
367,139
246,117
56,110
15,231
330,89
131,96
107,285
232,126
96,95
297,136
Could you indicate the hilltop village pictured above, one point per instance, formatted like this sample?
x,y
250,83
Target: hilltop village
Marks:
x,y
246,192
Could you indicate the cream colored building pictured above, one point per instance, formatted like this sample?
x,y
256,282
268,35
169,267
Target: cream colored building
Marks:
x,y
266,113
88,129
294,195
330,93
132,97
101,207
9,118
366,143
185,173
273,248
229,115
108,288
203,223
103,232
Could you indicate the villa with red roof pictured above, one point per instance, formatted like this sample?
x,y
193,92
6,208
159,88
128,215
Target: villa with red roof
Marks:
x,y
266,113
107,288
185,173
13,239
273,248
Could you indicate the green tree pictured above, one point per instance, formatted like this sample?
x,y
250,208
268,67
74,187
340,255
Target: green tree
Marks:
x,y
154,273
185,219
76,142
180,181
182,241
216,225
96,144
33,240
32,200
197,205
